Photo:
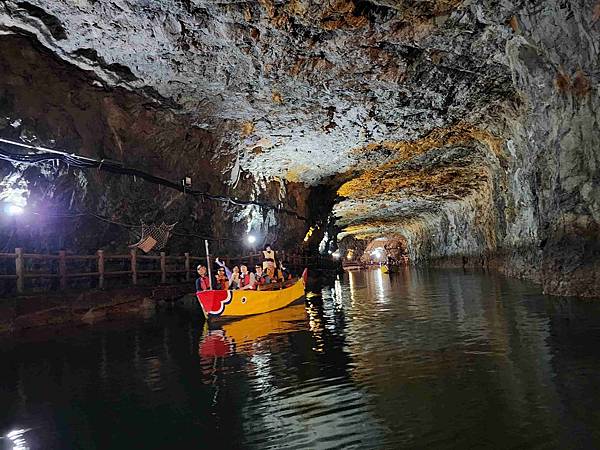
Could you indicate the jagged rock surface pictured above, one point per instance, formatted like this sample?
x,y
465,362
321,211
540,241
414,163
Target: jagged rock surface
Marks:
x,y
469,128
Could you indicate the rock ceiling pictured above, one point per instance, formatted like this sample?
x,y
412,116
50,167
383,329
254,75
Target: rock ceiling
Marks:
x,y
394,98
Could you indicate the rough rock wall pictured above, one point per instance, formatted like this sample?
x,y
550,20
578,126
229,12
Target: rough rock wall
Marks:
x,y
45,101
468,127
555,145
536,213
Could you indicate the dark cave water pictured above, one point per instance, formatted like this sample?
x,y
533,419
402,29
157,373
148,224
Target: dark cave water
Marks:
x,y
417,359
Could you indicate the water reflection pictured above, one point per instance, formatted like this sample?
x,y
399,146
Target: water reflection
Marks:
x,y
428,359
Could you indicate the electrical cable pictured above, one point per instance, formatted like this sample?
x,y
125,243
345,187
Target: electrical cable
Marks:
x,y
117,167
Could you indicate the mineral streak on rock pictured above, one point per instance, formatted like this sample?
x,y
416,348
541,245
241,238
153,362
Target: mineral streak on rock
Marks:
x,y
469,128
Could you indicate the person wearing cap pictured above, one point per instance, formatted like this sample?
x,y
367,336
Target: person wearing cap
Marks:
x,y
202,282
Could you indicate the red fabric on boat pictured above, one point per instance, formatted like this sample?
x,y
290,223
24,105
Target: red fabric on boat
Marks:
x,y
215,344
214,301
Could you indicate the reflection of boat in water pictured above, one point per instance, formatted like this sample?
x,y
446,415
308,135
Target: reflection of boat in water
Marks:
x,y
388,268
234,304
251,329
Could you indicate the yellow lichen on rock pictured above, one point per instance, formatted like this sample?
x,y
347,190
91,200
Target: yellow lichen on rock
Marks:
x,y
247,129
388,178
277,97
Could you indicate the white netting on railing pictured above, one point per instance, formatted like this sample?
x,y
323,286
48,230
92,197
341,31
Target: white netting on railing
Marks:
x,y
154,237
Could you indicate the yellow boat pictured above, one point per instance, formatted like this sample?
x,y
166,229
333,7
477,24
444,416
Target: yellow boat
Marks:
x,y
238,303
237,336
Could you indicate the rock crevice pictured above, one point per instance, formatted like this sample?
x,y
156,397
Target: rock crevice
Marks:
x,y
467,128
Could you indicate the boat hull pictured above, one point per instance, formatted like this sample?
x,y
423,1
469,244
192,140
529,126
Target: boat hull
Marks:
x,y
233,304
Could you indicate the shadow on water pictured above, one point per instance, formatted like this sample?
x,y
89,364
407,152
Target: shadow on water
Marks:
x,y
418,358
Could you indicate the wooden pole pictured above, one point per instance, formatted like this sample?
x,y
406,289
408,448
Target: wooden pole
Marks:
x,y
19,270
208,263
187,266
62,269
134,275
163,267
100,268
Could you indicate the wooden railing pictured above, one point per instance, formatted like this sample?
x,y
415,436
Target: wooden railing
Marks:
x,y
132,265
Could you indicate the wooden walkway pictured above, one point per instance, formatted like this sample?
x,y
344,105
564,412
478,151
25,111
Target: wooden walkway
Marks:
x,y
39,273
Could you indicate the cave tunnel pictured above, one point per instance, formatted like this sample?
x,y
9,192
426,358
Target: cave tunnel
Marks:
x,y
456,141
452,150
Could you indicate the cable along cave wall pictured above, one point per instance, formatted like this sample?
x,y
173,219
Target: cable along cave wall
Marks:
x,y
467,127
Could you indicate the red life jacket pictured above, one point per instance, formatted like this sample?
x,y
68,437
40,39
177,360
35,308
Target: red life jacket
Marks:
x,y
245,279
205,283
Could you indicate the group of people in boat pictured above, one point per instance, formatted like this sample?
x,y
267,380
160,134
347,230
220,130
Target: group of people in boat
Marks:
x,y
271,274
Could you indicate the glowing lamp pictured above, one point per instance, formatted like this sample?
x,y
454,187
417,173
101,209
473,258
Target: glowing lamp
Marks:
x,y
14,210
251,239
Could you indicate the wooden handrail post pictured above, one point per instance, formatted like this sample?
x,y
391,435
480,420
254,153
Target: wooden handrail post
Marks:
x,y
100,269
62,269
187,266
163,267
20,270
134,277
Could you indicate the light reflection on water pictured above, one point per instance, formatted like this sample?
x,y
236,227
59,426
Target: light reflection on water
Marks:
x,y
430,359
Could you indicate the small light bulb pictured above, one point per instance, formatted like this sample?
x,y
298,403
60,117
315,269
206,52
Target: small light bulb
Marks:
x,y
14,210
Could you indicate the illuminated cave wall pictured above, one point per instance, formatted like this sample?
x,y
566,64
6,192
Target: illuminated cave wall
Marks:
x,y
44,101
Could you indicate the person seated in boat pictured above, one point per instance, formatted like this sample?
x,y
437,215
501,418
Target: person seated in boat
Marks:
x,y
234,278
202,282
222,264
273,277
222,280
247,279
285,273
268,254
270,272
259,278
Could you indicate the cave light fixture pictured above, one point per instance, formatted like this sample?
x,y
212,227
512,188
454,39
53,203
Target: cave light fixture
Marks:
x,y
18,439
251,239
309,233
13,194
12,209
377,253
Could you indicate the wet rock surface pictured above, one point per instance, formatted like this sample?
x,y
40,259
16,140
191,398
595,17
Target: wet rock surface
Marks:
x,y
467,129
